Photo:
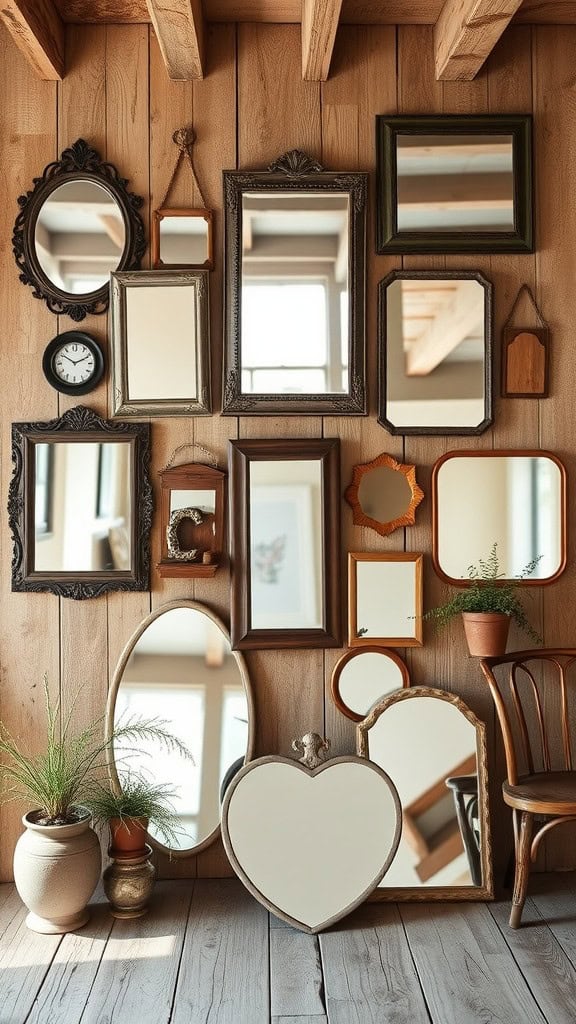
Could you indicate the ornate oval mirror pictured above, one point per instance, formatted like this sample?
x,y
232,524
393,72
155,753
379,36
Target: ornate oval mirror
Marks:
x,y
76,225
362,677
384,494
178,666
434,749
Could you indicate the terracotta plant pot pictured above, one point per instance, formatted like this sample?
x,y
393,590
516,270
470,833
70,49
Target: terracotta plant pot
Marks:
x,y
56,869
128,835
486,633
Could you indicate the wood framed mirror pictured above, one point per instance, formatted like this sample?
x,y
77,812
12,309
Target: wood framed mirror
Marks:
x,y
385,599
454,183
178,666
515,498
384,494
434,749
285,536
435,352
80,505
295,270
364,676
182,239
192,520
81,205
171,378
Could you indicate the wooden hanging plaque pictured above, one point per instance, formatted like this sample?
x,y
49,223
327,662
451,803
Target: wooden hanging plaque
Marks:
x,y
525,356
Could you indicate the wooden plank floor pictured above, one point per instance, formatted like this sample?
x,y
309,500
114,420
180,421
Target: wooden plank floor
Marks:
x,y
207,953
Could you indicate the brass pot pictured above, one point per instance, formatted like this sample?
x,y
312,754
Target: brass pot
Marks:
x,y
128,883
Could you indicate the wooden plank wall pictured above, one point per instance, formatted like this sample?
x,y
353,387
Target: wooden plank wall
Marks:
x,y
251,107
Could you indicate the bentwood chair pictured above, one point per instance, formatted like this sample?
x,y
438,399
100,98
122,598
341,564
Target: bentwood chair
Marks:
x,y
534,711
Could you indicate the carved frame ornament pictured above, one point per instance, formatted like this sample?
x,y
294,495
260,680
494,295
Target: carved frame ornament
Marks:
x,y
78,424
78,162
295,171
352,492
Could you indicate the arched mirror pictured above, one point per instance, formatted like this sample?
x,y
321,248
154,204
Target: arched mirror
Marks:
x,y
362,677
384,494
515,499
179,667
76,225
434,750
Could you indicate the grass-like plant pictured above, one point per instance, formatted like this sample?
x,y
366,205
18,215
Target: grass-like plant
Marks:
x,y
488,592
71,766
137,798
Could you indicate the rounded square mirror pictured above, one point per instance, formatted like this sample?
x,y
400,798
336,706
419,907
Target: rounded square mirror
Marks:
x,y
516,499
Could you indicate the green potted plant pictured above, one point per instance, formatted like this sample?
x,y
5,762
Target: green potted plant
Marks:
x,y
130,809
57,860
487,604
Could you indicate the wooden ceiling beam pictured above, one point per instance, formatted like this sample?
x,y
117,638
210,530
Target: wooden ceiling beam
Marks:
x,y
179,27
38,30
466,33
319,23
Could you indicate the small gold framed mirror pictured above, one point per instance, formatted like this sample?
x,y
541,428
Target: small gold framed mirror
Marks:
x,y
384,494
182,239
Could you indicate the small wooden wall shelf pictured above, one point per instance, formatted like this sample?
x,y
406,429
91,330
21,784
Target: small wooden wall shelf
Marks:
x,y
192,521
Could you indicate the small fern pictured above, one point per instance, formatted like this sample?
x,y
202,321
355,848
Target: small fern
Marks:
x,y
488,592
137,798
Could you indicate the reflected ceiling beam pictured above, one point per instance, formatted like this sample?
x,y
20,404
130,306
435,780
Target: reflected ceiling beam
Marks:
x,y
214,656
179,27
38,30
319,23
456,191
466,33
114,228
454,323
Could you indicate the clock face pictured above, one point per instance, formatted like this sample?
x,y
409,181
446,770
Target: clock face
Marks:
x,y
73,363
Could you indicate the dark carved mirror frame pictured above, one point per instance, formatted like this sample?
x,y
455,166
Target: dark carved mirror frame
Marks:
x,y
434,275
390,239
78,162
241,455
78,425
295,172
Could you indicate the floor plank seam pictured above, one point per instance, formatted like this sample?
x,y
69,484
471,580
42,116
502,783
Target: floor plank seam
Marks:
x,y
97,971
43,979
322,989
555,941
414,964
184,934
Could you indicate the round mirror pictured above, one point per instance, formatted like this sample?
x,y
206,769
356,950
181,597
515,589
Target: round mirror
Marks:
x,y
79,236
179,667
384,494
362,677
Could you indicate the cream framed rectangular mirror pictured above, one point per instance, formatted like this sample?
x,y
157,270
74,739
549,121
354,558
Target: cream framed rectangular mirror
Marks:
x,y
295,240
435,352
160,343
285,532
454,183
385,599
515,498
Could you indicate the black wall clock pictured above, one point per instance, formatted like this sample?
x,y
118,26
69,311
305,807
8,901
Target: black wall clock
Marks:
x,y
73,363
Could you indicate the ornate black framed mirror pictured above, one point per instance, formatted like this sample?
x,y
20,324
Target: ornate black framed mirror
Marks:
x,y
295,240
78,223
454,183
80,505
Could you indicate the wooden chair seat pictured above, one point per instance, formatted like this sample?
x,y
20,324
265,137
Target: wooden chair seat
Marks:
x,y
543,793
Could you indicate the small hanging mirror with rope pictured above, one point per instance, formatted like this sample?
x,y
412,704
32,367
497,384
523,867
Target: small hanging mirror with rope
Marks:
x,y
182,236
525,351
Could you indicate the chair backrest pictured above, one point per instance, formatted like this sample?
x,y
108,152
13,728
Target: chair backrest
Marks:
x,y
531,697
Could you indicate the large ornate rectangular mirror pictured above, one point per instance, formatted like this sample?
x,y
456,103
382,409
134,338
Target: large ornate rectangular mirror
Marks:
x,y
434,750
295,289
454,183
435,352
80,505
516,499
285,528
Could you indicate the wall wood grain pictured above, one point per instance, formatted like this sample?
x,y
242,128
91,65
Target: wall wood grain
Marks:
x,y
251,106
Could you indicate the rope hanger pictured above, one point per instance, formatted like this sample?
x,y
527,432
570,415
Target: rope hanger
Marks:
x,y
525,290
184,138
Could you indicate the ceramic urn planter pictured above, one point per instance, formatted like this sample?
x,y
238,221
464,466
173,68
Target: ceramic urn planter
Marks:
x,y
56,869
486,633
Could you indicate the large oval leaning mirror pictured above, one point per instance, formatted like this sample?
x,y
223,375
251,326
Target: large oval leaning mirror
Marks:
x,y
76,225
434,750
515,499
178,667
295,284
435,352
